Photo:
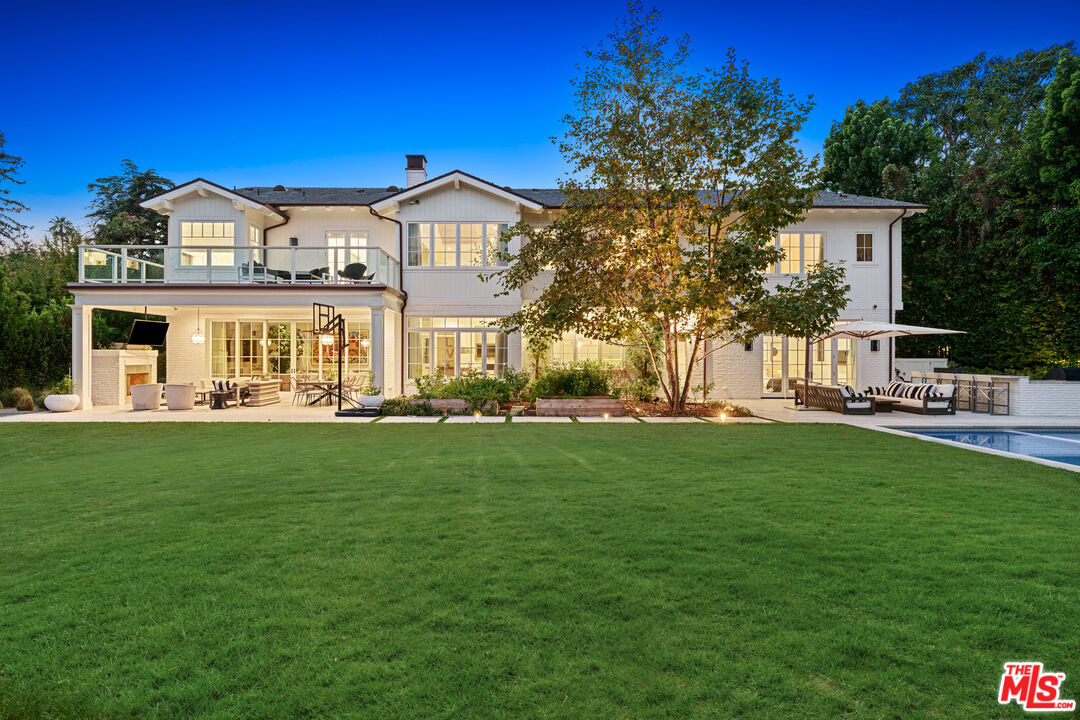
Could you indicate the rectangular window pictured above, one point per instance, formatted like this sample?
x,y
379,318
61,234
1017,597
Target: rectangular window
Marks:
x,y
445,244
572,347
791,247
493,233
251,349
472,352
801,252
419,244
472,244
453,345
223,349
445,354
813,251
419,354
864,247
200,235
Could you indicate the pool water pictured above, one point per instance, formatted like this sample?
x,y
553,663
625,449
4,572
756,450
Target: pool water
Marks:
x,y
1059,444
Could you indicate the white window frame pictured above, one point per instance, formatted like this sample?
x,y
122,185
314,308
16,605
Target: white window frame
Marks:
x,y
873,248
209,253
775,269
489,337
487,263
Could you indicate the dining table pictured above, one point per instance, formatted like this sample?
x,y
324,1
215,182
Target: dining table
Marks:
x,y
327,388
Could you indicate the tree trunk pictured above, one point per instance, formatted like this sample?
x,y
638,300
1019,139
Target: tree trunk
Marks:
x,y
806,373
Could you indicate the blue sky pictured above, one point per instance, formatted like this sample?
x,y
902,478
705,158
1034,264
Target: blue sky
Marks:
x,y
336,93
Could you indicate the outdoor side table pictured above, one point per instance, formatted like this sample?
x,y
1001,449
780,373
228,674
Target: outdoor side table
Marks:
x,y
220,399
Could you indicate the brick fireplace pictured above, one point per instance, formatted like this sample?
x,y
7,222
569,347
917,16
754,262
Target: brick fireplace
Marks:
x,y
113,372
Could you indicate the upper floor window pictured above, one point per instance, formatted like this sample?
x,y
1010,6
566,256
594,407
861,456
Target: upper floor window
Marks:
x,y
801,252
864,247
447,244
201,235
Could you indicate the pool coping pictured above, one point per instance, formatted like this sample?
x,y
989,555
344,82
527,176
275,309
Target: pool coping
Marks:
x,y
910,431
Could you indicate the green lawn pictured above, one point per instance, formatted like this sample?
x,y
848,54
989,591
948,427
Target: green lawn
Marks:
x,y
573,571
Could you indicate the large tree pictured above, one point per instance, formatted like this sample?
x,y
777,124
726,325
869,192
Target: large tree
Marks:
x,y
115,212
873,151
679,182
10,228
987,257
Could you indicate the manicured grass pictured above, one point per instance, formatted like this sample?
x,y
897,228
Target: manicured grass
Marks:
x,y
575,571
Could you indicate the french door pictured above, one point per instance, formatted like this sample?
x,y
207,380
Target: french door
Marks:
x,y
783,363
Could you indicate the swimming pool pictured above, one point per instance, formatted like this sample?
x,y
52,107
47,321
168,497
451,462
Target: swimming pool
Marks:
x,y
1058,444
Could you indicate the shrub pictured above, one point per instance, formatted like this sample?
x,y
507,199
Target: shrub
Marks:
x,y
480,392
23,400
642,389
730,408
403,406
65,386
516,382
430,387
477,390
583,379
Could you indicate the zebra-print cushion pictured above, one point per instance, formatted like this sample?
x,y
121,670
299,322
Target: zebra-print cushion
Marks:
x,y
895,389
874,390
219,385
851,392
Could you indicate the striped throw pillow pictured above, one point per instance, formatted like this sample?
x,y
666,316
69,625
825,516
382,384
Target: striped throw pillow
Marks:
x,y
895,389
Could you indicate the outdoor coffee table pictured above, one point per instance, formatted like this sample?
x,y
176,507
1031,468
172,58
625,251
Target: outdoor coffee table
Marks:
x,y
885,406
220,399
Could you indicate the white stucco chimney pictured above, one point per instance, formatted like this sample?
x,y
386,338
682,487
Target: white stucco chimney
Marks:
x,y
415,170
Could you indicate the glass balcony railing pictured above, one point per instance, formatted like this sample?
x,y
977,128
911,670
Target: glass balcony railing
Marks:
x,y
236,265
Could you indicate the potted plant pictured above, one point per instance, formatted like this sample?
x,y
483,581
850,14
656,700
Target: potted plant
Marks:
x,y
63,397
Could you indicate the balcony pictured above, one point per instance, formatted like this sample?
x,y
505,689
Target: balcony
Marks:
x,y
236,265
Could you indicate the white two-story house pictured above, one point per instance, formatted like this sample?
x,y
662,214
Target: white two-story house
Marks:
x,y
243,266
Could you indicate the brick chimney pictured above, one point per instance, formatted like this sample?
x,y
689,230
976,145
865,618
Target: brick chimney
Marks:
x,y
415,170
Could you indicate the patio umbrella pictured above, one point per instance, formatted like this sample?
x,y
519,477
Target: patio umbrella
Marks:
x,y
869,330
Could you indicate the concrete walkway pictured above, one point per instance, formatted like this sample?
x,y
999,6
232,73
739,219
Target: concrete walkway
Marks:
x,y
765,411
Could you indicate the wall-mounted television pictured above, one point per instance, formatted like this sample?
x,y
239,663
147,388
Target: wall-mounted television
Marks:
x,y
148,332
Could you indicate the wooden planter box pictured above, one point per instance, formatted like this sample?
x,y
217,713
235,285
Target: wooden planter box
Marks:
x,y
581,407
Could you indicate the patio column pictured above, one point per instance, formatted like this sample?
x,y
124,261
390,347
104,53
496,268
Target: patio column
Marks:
x,y
377,353
81,345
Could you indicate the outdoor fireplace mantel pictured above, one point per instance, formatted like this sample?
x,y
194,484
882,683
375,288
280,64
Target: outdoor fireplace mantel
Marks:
x,y
113,372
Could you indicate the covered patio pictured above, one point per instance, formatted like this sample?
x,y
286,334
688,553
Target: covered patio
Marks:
x,y
242,334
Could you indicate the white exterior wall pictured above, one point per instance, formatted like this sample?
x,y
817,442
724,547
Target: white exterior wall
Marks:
x,y
309,225
450,288
184,360
734,371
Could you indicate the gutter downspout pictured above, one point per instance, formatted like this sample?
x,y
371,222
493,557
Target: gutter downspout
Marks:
x,y
401,287
891,318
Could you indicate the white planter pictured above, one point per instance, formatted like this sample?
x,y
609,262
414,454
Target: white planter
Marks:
x,y
62,403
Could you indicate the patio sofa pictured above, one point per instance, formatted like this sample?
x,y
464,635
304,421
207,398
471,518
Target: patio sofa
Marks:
x,y
841,399
926,398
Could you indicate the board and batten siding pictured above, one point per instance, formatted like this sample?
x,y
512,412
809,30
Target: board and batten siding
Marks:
x,y
449,288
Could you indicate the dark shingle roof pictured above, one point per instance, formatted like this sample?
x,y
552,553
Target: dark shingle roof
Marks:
x,y
316,195
548,197
824,199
